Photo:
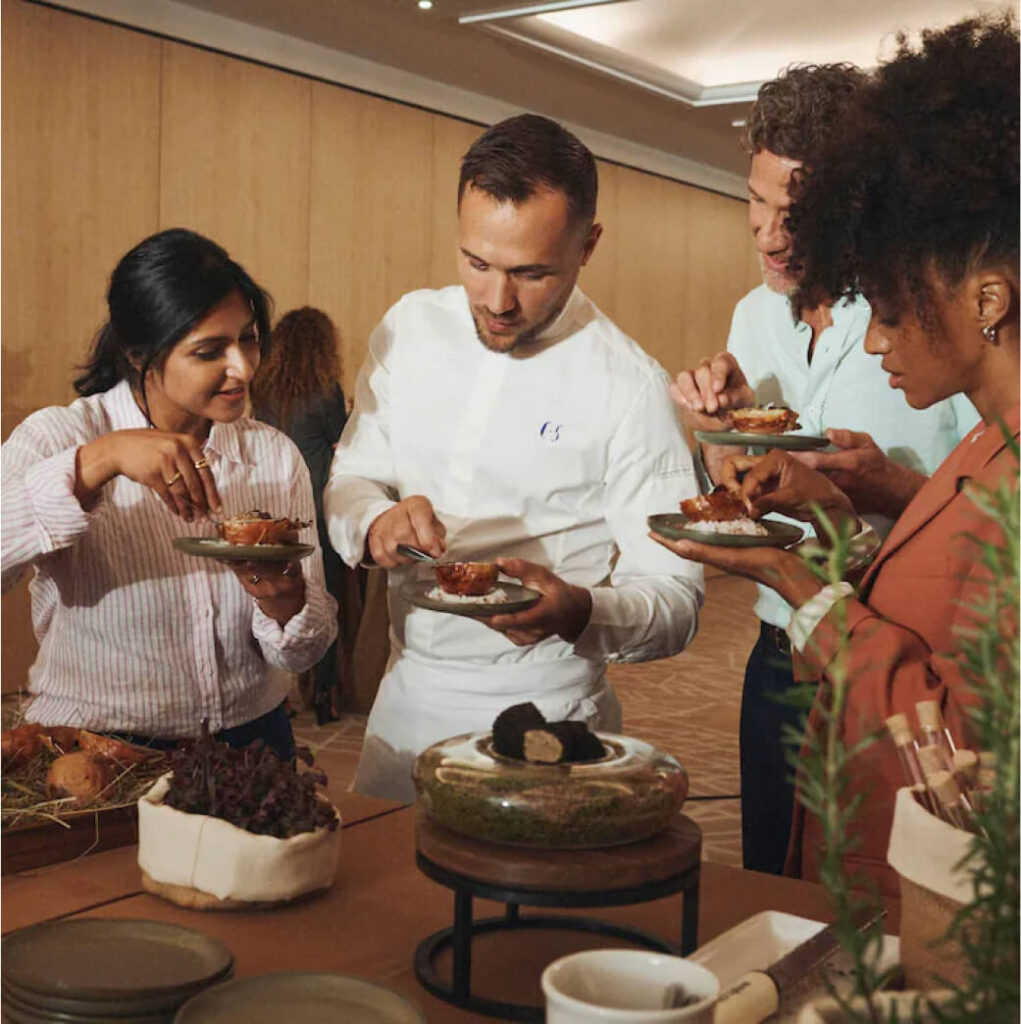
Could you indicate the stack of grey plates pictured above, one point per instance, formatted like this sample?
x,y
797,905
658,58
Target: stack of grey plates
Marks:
x,y
113,971
299,998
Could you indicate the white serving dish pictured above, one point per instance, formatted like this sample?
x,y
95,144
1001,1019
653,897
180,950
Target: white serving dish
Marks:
x,y
188,856
627,986
762,939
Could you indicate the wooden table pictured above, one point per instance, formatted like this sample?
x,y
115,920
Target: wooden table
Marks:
x,y
380,908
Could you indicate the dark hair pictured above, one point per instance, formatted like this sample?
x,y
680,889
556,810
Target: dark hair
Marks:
x,y
158,292
302,365
922,176
515,158
795,112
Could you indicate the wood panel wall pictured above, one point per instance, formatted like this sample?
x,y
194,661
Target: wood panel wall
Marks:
x,y
328,196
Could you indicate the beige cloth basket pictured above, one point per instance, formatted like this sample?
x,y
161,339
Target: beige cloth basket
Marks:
x,y
205,863
925,852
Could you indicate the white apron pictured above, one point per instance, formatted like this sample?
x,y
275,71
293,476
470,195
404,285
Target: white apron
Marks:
x,y
424,700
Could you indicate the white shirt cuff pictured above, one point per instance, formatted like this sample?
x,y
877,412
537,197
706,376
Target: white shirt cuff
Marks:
x,y
813,611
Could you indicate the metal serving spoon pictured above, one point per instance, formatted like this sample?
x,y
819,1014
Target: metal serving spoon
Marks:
x,y
415,553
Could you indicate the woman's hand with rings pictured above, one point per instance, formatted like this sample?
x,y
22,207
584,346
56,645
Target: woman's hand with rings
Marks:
x,y
172,465
279,587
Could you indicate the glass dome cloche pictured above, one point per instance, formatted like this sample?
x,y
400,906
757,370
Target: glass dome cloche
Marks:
x,y
631,793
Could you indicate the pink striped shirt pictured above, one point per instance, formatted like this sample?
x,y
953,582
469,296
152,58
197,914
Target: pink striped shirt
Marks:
x,y
133,634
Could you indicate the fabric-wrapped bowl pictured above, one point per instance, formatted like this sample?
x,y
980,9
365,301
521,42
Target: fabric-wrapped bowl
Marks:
x,y
206,863
630,794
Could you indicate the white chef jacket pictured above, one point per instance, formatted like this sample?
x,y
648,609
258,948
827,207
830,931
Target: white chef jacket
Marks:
x,y
556,454
843,387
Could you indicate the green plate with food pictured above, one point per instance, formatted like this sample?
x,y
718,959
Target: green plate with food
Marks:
x,y
503,599
732,533
746,439
216,547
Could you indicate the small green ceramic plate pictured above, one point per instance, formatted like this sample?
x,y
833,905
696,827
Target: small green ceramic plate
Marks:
x,y
299,999
788,442
213,547
518,599
674,526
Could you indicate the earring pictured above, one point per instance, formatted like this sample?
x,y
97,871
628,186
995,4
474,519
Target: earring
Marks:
x,y
989,333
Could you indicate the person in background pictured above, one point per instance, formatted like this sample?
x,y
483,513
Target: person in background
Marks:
x,y
814,362
135,637
507,419
297,389
928,150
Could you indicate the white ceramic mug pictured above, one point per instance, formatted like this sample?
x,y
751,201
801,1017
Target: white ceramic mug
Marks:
x,y
627,986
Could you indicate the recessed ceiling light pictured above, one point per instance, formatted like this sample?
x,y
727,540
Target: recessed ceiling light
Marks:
x,y
425,5
738,123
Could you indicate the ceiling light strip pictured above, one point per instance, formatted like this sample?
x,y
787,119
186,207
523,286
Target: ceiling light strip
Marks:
x,y
524,10
695,97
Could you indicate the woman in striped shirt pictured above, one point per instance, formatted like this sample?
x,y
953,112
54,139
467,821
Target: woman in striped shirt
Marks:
x,y
135,637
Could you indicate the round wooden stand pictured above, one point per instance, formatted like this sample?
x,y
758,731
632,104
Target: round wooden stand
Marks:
x,y
607,877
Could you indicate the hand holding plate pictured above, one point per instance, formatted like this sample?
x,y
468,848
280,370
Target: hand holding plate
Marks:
x,y
563,610
279,587
783,571
863,471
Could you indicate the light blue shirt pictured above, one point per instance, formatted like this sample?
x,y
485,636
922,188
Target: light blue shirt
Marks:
x,y
843,387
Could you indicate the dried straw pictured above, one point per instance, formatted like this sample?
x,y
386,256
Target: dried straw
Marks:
x,y
25,803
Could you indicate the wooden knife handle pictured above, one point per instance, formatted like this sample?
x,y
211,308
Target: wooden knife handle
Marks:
x,y
749,1000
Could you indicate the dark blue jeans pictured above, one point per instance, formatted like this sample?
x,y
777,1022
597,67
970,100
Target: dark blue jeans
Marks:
x,y
767,785
273,728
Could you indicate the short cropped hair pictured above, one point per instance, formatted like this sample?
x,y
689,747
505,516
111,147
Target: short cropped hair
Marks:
x,y
795,112
521,155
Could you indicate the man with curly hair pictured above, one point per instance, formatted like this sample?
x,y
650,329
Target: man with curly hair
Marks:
x,y
813,361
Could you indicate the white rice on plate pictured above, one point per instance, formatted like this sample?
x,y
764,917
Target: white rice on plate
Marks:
x,y
742,525
495,596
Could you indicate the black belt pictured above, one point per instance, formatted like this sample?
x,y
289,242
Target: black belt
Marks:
x,y
776,638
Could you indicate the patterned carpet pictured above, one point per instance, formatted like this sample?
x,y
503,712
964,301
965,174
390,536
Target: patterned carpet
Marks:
x,y
688,705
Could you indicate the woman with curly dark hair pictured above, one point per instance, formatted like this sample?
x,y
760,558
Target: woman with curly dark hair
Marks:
x,y
914,204
297,389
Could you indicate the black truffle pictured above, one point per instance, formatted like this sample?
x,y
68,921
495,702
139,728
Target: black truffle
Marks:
x,y
581,744
510,727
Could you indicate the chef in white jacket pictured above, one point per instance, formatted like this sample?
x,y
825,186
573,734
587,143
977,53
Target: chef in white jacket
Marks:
x,y
508,419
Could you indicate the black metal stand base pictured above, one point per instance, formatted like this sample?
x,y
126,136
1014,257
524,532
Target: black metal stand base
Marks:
x,y
459,937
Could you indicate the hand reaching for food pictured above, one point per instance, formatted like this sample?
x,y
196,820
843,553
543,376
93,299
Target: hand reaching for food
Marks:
x,y
712,389
172,465
778,482
411,521
563,610
705,397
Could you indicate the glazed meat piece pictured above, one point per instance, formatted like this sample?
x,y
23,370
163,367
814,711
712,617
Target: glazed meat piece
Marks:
x,y
257,527
758,420
717,507
80,775
466,579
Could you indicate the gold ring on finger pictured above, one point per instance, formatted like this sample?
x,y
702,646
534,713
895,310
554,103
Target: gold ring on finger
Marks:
x,y
202,464
173,480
